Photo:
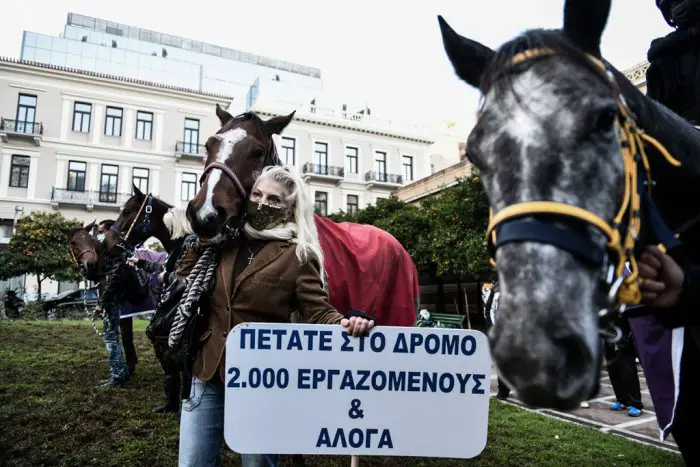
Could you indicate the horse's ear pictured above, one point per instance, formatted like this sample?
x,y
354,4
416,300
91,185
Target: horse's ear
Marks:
x,y
277,124
137,192
469,58
224,116
584,22
90,226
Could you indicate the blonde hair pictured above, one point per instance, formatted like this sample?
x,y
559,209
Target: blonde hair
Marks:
x,y
176,222
303,225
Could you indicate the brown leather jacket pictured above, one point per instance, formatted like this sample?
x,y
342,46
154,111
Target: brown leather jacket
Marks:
x,y
268,290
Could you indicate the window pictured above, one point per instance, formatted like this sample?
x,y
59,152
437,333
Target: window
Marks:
x,y
113,121
351,160
19,171
380,165
76,176
189,186
140,179
321,158
288,150
144,125
407,168
321,203
353,204
108,183
191,136
26,114
81,117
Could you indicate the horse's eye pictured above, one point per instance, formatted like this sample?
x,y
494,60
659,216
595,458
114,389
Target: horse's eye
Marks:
x,y
606,119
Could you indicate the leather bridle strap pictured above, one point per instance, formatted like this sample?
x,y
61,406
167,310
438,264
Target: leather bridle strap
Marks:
x,y
229,173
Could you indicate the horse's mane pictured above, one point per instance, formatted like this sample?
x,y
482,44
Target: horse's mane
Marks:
x,y
176,222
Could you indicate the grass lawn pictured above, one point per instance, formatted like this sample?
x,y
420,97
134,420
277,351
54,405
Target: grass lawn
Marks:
x,y
50,414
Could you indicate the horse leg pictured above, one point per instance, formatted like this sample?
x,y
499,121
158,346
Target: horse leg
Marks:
x,y
127,328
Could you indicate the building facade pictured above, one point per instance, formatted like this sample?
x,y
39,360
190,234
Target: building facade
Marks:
x,y
348,159
97,45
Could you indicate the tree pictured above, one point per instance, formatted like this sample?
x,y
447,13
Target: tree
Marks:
x,y
39,247
458,219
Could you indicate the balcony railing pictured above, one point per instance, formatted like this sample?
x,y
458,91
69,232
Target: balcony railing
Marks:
x,y
325,170
21,128
183,148
383,177
88,198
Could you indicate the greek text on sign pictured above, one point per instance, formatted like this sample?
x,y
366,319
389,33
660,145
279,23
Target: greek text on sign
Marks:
x,y
399,391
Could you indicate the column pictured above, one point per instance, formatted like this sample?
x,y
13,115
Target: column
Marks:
x,y
33,171
5,174
60,174
155,182
178,187
94,176
66,119
158,124
125,182
97,122
128,129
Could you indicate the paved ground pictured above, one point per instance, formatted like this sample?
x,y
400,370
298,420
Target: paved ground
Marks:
x,y
643,429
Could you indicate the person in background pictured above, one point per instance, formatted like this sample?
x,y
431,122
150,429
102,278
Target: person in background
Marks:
x,y
272,269
490,308
120,370
622,370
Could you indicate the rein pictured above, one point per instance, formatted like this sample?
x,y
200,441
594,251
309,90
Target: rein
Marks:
x,y
534,221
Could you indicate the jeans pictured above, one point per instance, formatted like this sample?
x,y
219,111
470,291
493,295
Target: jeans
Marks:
x,y
110,326
622,369
202,428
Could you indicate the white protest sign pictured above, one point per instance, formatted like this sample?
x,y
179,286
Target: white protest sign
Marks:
x,y
313,389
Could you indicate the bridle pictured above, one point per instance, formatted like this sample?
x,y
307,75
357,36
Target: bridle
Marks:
x,y
534,221
270,154
144,226
76,259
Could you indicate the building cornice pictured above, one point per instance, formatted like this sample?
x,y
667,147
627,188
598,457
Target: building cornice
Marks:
x,y
638,73
345,126
76,74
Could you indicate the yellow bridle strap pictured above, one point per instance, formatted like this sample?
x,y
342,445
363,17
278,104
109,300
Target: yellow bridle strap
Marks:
x,y
133,223
550,207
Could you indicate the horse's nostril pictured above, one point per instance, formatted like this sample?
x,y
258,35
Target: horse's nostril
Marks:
x,y
221,214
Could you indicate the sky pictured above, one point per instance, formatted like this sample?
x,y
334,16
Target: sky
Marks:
x,y
388,52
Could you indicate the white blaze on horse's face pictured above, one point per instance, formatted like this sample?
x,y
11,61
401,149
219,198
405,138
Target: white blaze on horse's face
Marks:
x,y
228,139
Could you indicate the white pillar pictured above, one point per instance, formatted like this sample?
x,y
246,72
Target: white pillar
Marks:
x,y
5,174
97,123
66,120
33,171
158,128
128,129
94,181
155,182
126,180
61,174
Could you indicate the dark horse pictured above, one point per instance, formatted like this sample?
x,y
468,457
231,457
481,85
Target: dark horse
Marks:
x,y
549,130
88,253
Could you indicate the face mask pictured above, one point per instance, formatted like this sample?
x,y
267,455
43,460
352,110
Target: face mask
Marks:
x,y
262,216
100,238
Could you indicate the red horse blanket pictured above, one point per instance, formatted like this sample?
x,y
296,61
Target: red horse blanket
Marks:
x,y
367,269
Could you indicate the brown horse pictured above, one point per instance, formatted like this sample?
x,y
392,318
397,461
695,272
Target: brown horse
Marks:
x,y
235,154
88,253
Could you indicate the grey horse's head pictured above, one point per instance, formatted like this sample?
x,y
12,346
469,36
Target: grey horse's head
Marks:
x,y
546,132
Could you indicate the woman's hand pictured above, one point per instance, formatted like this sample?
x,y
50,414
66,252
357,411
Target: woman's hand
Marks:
x,y
356,326
132,261
161,277
98,310
662,278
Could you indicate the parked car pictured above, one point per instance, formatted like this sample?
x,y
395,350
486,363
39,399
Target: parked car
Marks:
x,y
70,300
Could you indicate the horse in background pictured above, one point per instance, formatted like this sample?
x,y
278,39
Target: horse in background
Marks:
x,y
367,268
89,254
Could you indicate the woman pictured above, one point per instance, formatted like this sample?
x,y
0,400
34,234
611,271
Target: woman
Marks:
x,y
272,269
